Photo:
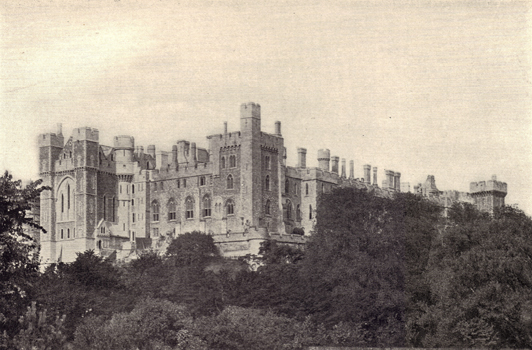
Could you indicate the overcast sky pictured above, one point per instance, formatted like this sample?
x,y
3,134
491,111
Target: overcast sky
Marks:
x,y
429,87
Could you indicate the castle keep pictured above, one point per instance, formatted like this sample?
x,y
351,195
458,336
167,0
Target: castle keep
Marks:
x,y
121,199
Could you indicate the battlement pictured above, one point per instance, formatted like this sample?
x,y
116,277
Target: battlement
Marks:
x,y
85,134
124,142
490,185
51,139
250,110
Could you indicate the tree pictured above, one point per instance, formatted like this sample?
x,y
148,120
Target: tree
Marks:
x,y
19,260
481,282
192,249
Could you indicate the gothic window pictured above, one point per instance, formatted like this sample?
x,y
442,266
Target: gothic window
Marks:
x,y
267,207
223,162
230,205
202,181
286,186
267,183
206,206
189,205
232,161
306,189
230,182
155,210
267,162
288,209
310,212
172,214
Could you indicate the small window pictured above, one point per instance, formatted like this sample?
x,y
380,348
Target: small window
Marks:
x,y
298,213
230,182
155,232
288,209
62,203
230,207
161,185
155,210
286,186
206,206
310,212
267,162
267,207
202,181
133,189
306,189
189,205
232,161
172,214
267,183
178,183
68,233
223,162
120,188
132,202
184,183
61,233
133,217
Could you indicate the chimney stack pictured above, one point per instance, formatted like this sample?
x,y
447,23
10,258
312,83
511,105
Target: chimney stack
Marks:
x,y
367,174
302,157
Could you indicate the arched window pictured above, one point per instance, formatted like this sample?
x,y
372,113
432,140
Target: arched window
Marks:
x,y
306,189
267,207
172,214
223,162
230,182
230,207
298,213
288,209
155,210
310,212
189,205
267,183
206,206
232,161
286,186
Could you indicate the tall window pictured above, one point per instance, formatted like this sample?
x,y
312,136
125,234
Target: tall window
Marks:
x,y
178,183
310,212
288,209
68,233
132,189
68,196
62,234
267,162
230,207
172,215
155,210
62,203
189,205
113,209
230,182
298,213
232,161
133,217
206,206
104,208
267,207
184,183
306,189
223,162
267,183
286,186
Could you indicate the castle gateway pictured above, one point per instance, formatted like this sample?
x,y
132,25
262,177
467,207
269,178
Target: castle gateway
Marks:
x,y
122,199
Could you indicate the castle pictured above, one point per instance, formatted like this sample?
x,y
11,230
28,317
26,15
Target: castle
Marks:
x,y
120,200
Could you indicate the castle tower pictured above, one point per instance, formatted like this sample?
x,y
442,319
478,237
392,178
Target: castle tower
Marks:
x,y
250,163
324,156
488,195
124,146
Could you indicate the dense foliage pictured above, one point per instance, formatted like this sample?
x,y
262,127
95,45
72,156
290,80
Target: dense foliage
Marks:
x,y
376,272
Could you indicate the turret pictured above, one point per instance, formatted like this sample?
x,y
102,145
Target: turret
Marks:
x,y
324,157
334,161
302,157
375,176
343,168
278,128
250,118
488,195
367,174
124,146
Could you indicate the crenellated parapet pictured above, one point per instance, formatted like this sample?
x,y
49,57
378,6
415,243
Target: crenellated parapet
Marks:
x,y
490,185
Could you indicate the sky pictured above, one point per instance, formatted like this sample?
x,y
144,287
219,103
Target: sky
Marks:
x,y
419,87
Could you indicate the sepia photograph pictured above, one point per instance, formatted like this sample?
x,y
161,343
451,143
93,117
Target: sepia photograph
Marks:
x,y
265,174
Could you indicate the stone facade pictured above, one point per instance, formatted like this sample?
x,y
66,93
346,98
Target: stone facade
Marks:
x,y
119,199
